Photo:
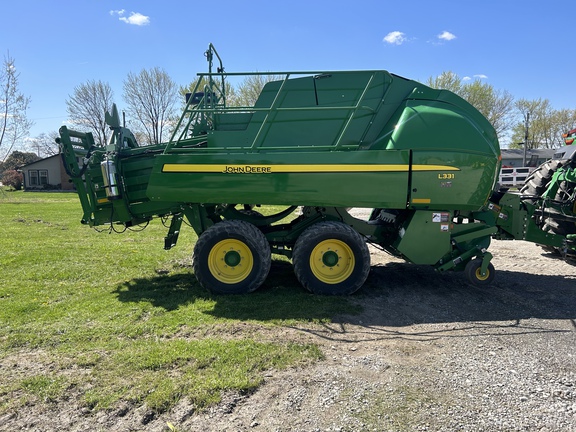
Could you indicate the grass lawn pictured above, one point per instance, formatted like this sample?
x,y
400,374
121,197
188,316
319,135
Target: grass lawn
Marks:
x,y
113,318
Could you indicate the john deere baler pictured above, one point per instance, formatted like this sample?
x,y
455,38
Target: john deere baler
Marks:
x,y
425,161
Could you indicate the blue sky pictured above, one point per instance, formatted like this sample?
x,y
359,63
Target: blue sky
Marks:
x,y
525,47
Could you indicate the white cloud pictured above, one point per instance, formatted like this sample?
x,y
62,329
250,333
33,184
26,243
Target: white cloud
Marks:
x,y
395,38
446,36
477,76
135,18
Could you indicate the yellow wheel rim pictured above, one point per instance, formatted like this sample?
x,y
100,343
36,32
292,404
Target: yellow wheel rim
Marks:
x,y
479,274
230,261
332,261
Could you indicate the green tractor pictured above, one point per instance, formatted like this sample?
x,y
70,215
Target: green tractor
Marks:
x,y
551,187
424,161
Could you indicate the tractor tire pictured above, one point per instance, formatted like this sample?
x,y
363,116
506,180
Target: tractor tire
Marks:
x,y
231,257
331,258
564,193
537,182
562,227
474,274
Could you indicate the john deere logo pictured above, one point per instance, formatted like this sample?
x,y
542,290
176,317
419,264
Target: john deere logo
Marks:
x,y
247,169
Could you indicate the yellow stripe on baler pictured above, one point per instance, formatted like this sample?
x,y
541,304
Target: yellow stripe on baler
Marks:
x,y
298,168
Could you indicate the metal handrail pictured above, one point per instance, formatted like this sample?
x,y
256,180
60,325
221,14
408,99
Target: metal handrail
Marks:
x,y
193,113
337,145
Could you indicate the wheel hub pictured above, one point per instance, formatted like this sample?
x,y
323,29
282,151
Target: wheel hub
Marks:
x,y
481,277
330,258
332,261
230,261
232,258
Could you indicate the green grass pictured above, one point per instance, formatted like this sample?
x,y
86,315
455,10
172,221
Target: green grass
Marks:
x,y
110,318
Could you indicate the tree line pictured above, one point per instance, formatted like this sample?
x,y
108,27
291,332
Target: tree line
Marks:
x,y
151,100
514,119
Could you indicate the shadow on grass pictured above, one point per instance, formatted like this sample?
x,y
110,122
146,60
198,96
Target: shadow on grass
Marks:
x,y
280,298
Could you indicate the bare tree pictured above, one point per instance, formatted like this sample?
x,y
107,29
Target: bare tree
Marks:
x,y
45,144
151,96
14,124
87,106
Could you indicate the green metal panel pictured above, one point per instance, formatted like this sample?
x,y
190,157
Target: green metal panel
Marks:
x,y
515,218
432,124
465,187
425,237
336,179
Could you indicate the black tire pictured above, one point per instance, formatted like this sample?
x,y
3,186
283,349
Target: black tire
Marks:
x,y
231,257
474,274
331,258
565,192
537,182
563,227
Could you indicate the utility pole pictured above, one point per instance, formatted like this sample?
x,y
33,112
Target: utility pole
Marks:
x,y
526,138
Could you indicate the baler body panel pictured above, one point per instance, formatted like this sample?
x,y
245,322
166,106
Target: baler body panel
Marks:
x,y
325,179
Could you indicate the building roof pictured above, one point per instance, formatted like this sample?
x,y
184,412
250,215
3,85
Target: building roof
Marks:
x,y
519,153
38,161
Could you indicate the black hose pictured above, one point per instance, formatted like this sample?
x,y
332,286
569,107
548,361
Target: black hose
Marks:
x,y
84,165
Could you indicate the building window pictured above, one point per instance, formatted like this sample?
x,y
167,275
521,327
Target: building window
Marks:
x,y
43,174
33,178
38,177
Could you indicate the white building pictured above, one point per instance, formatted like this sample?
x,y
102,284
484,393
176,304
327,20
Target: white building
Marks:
x,y
47,173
